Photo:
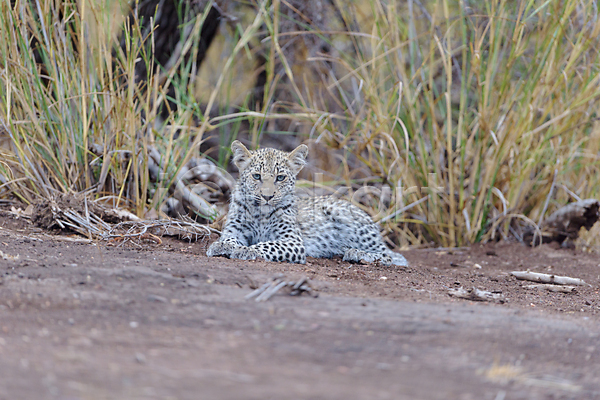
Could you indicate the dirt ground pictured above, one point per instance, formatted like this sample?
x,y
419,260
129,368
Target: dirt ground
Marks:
x,y
163,321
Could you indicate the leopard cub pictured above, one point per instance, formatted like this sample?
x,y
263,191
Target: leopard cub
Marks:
x,y
268,220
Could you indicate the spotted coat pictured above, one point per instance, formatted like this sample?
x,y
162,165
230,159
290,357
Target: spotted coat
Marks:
x,y
268,220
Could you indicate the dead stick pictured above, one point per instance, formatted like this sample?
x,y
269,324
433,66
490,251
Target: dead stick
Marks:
x,y
552,288
547,278
300,282
258,291
267,294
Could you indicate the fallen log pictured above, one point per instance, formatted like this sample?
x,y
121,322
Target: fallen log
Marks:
x,y
565,223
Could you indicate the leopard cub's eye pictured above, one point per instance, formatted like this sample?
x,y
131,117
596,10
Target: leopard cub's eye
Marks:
x,y
280,178
256,176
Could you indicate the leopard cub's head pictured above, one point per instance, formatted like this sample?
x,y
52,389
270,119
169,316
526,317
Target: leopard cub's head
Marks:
x,y
267,176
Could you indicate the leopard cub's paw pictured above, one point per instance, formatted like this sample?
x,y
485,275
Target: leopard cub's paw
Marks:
x,y
220,249
358,256
246,253
364,257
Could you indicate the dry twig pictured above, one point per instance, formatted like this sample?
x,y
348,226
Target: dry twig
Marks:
x,y
266,291
154,229
552,288
547,278
90,220
476,295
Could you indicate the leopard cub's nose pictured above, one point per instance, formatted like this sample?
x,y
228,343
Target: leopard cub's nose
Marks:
x,y
267,198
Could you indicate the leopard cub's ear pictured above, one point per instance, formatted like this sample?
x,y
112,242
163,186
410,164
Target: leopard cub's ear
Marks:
x,y
241,155
297,158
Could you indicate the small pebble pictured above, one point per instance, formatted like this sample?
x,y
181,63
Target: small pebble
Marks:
x,y
193,283
155,298
141,358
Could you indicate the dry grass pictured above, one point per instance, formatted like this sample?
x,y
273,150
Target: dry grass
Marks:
x,y
471,121
493,110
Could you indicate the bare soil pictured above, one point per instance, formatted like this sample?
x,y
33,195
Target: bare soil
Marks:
x,y
163,321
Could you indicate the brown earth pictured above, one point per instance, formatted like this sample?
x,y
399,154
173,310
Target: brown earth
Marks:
x,y
93,321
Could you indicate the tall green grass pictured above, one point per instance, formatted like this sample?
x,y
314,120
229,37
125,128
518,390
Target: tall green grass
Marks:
x,y
81,123
478,120
74,124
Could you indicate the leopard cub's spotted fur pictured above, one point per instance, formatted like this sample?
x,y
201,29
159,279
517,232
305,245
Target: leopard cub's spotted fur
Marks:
x,y
268,220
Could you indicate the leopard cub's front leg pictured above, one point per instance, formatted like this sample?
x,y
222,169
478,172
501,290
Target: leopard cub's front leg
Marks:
x,y
231,248
282,251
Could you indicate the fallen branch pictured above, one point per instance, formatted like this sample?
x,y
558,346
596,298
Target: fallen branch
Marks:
x,y
565,223
266,291
547,278
154,229
476,295
95,221
73,212
552,288
202,171
195,183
